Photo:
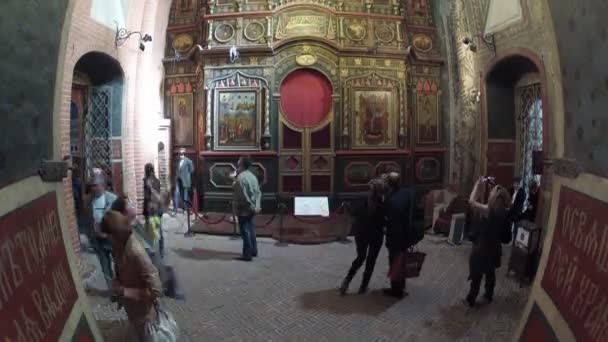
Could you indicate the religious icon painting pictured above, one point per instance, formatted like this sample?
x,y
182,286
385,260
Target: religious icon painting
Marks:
x,y
428,169
374,118
183,119
427,118
237,119
358,174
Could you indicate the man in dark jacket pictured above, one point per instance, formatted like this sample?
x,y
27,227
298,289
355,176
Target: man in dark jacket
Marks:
x,y
398,212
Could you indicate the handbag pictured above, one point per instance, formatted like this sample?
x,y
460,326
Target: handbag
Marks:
x,y
165,328
407,264
413,263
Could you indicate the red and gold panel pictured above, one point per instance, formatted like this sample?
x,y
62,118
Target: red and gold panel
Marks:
x,y
320,163
290,163
321,139
291,139
320,183
306,98
291,183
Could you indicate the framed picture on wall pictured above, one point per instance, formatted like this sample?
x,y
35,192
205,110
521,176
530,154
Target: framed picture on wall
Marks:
x,y
374,118
237,117
427,118
183,119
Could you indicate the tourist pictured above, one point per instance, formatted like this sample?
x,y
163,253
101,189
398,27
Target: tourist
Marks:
x,y
153,206
518,196
398,213
137,285
101,202
369,232
486,252
247,197
530,213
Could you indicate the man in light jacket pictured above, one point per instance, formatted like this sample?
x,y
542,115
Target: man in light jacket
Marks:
x,y
247,197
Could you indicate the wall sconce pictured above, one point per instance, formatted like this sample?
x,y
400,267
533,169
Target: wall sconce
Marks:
x,y
475,95
487,39
123,34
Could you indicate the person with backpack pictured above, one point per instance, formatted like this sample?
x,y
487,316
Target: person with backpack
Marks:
x,y
492,230
369,234
399,233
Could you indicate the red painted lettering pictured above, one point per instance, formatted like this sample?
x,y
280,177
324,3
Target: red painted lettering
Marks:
x,y
38,302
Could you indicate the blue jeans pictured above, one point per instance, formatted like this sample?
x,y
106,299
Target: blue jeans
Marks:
x,y
250,245
103,249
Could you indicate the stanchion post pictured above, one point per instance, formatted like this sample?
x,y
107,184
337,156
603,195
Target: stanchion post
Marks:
x,y
235,234
282,208
188,233
343,238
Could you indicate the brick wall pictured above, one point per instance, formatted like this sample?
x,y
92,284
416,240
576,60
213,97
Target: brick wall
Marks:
x,y
86,35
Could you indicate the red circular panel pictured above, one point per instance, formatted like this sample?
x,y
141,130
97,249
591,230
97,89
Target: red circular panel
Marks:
x,y
305,98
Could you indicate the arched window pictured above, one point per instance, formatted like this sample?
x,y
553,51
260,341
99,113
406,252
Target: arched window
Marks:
x,y
530,122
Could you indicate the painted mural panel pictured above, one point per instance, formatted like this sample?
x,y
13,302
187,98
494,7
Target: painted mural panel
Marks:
x,y
427,118
37,290
237,119
374,120
183,120
576,276
27,100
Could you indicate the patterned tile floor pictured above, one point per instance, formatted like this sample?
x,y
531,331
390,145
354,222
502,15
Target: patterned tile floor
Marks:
x,y
290,294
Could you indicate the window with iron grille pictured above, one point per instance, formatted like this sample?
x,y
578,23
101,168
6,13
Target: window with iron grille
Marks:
x,y
530,129
98,131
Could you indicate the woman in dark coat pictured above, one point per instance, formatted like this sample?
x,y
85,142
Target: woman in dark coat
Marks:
x,y
369,232
487,250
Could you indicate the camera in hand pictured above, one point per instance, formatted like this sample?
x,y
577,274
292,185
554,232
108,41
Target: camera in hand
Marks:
x,y
489,179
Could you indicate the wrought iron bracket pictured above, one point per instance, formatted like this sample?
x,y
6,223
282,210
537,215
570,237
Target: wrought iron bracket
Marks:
x,y
122,34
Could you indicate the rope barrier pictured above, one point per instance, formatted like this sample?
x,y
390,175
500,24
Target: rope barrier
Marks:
x,y
344,206
268,222
202,218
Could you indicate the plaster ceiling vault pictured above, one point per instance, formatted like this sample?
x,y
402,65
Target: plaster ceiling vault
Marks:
x,y
501,14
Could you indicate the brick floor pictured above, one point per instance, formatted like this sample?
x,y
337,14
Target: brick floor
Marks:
x,y
290,294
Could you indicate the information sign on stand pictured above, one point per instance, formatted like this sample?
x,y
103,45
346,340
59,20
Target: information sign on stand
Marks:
x,y
311,206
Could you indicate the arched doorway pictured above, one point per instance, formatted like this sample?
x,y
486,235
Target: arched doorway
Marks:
x,y
95,126
514,88
306,139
